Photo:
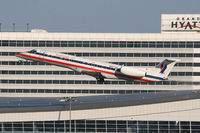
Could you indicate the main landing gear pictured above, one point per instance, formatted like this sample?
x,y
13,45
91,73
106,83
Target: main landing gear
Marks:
x,y
19,62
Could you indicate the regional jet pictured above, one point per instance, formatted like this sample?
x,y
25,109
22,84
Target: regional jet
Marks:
x,y
101,70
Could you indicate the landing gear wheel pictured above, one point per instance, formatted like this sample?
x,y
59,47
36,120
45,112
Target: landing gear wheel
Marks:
x,y
19,62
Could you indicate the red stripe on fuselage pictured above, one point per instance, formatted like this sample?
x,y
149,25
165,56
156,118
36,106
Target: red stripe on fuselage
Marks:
x,y
83,67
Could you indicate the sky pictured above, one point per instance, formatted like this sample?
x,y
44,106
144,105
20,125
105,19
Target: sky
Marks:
x,y
91,16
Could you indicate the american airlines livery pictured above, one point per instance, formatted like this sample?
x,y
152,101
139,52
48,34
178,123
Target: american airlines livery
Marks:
x,y
101,70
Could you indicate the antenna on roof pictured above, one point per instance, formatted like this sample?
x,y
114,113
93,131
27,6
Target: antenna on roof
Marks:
x,y
13,27
27,27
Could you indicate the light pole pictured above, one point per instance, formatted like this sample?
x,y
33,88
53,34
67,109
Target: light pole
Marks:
x,y
68,100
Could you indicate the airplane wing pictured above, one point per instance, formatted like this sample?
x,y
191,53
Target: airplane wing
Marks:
x,y
97,75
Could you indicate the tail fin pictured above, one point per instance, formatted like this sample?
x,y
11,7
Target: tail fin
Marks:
x,y
166,66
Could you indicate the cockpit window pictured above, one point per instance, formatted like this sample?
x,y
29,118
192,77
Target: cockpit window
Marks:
x,y
33,51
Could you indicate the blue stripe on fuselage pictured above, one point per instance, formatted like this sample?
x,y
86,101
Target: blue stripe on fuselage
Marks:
x,y
154,77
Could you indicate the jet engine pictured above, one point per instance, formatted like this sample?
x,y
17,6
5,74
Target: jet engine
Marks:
x,y
131,71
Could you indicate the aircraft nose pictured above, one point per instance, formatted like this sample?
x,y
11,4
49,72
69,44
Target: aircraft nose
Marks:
x,y
19,54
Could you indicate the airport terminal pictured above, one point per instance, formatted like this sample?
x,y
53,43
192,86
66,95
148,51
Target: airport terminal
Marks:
x,y
40,97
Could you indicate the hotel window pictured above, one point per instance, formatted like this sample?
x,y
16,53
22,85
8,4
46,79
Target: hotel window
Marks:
x,y
100,44
189,45
34,43
137,44
63,43
122,54
114,54
71,44
152,44
122,44
86,54
4,43
41,43
19,43
144,55
129,44
12,43
159,44
189,55
107,44
145,44
93,44
152,55
56,44
115,44
158,55
174,44
27,43
86,44
166,44
196,44
130,54
181,44
48,43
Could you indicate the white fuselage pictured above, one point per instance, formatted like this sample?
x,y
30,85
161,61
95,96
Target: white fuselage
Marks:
x,y
93,68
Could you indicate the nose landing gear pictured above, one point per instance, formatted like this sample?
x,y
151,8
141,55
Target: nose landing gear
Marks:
x,y
20,62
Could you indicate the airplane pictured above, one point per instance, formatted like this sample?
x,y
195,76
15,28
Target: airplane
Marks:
x,y
101,70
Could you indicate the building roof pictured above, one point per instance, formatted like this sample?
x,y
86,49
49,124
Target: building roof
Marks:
x,y
175,36
34,104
